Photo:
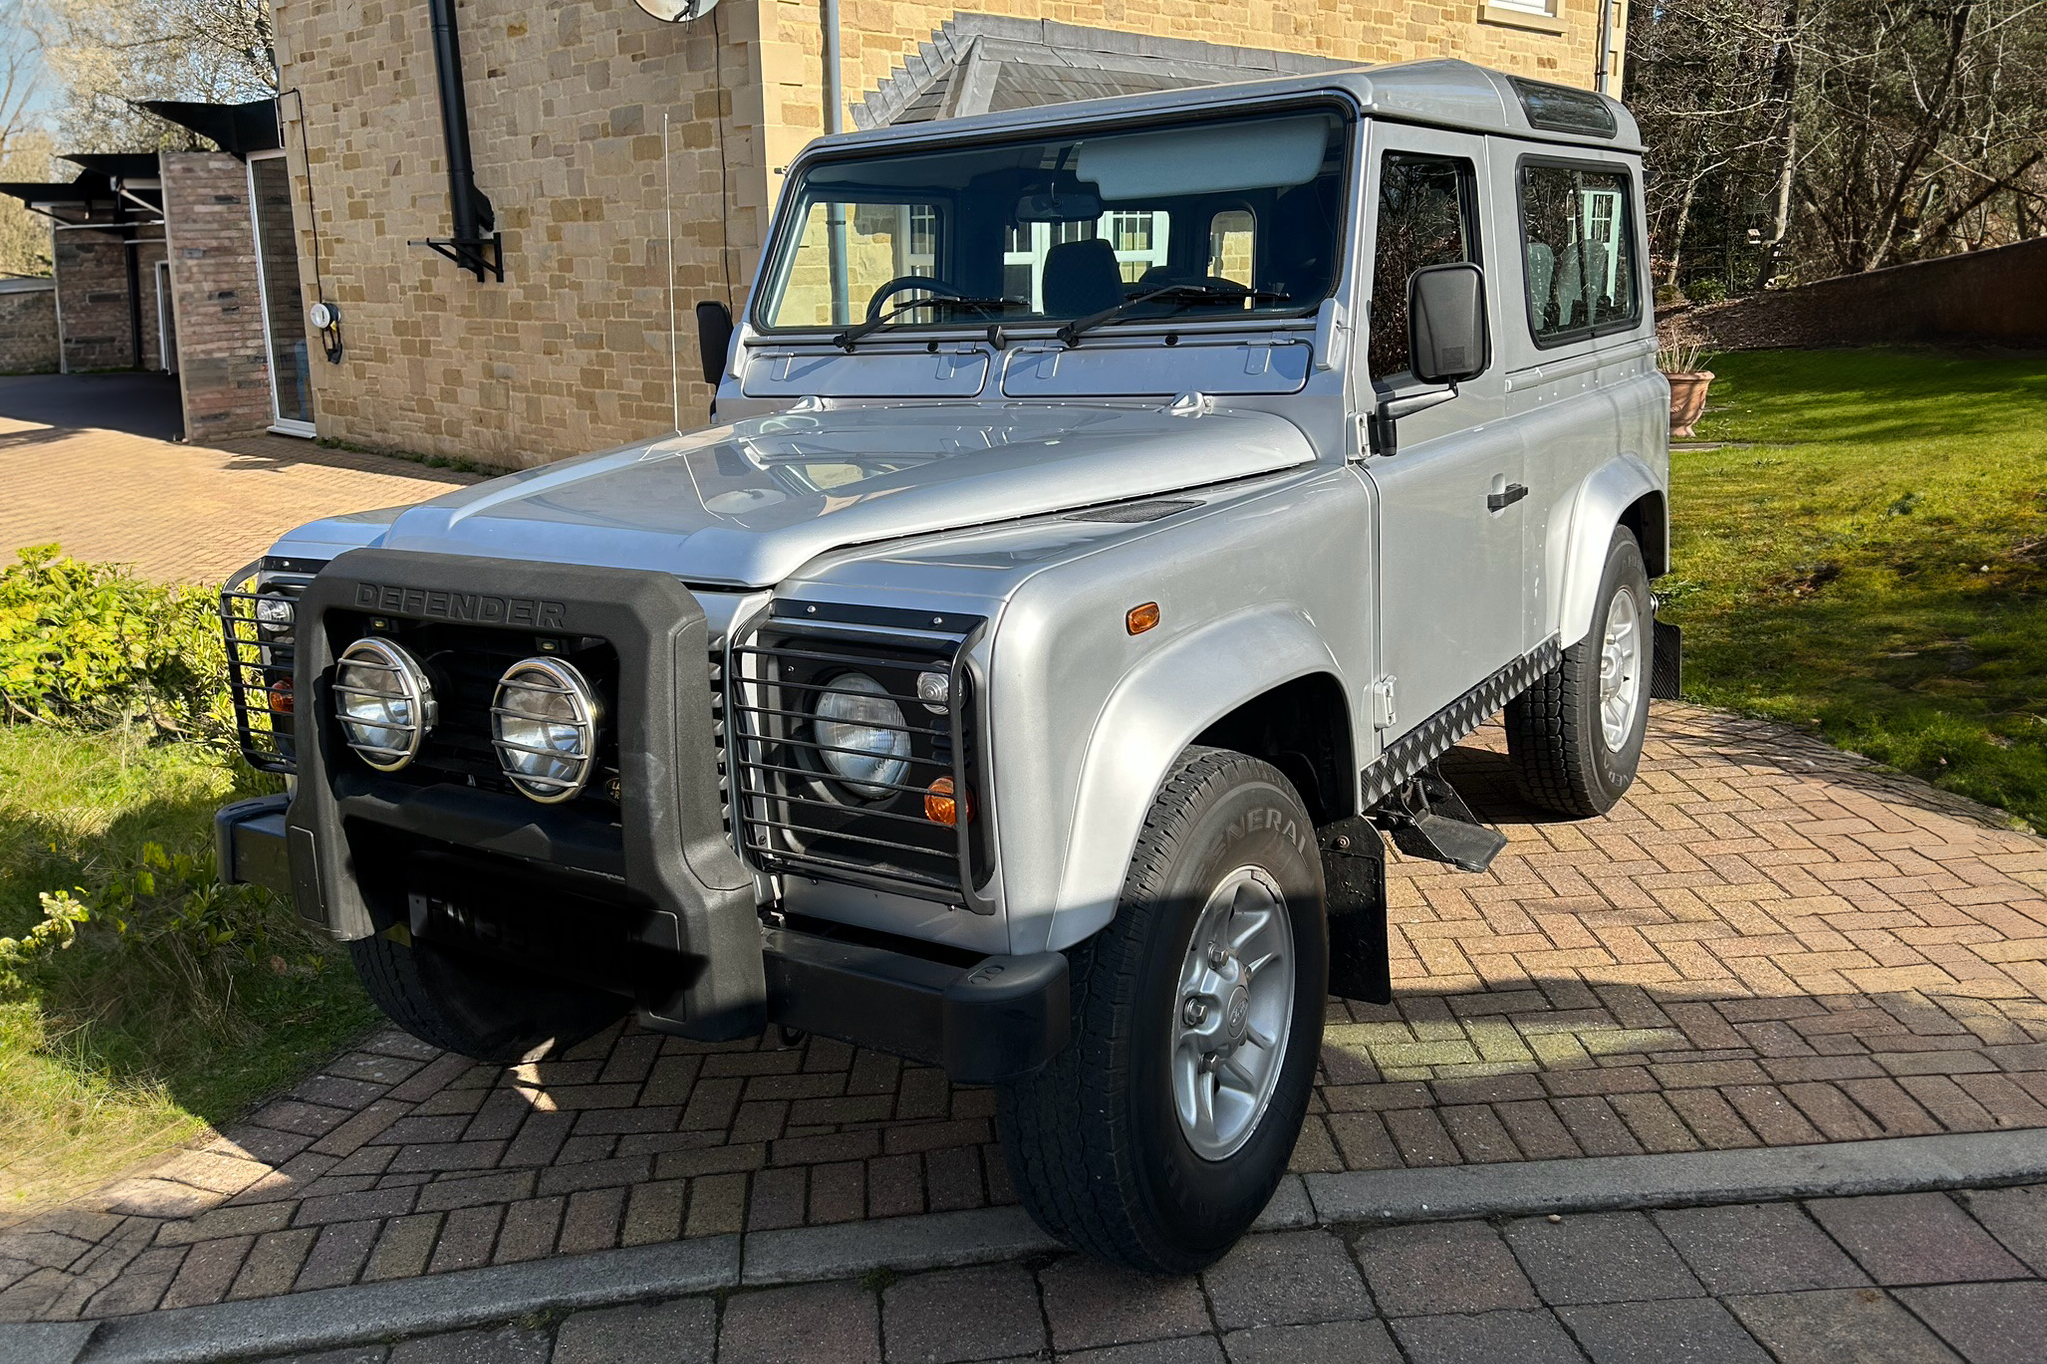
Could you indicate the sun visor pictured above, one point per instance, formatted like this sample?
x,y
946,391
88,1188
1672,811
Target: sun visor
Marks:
x,y
1266,154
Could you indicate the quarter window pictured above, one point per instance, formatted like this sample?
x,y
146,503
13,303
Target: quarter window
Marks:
x,y
1425,218
1579,263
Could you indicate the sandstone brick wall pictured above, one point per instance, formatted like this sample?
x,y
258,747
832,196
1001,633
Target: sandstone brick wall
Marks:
x,y
1998,296
28,330
571,352
223,371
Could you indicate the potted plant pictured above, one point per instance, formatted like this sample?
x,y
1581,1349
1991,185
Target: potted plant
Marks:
x,y
1679,362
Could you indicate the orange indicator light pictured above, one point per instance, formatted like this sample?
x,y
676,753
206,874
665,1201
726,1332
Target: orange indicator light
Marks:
x,y
281,696
942,806
1138,619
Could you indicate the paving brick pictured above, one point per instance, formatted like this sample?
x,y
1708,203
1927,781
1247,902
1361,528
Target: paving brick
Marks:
x,y
339,1255
1756,1248
273,1263
952,1179
1921,1238
825,1323
1600,1257
402,1248
467,1235
1843,1326
962,1314
2017,1218
1089,1304
1441,1267
1352,1342
1180,1350
591,1221
206,1272
1687,1331
1285,1279
1524,1337
1990,1323
663,1333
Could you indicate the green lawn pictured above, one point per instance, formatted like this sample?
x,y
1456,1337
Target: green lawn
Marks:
x,y
115,1048
1868,557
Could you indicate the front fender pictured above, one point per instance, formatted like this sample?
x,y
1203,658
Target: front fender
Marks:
x,y
1153,714
1602,500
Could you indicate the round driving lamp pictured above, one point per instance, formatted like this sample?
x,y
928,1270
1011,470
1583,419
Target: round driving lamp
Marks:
x,y
274,613
544,727
862,736
384,701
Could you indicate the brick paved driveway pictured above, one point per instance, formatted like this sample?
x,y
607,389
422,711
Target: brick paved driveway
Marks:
x,y
181,513
1902,1279
1768,943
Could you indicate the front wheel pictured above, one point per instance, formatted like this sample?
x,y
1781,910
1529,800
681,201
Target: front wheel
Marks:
x,y
1157,1136
478,1008
1575,736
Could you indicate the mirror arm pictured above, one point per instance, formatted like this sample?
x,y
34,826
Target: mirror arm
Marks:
x,y
1381,428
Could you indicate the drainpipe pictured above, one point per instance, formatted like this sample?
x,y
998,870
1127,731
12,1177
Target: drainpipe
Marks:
x,y
471,211
1603,77
835,122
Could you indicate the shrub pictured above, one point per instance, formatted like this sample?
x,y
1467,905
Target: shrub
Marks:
x,y
1707,290
95,646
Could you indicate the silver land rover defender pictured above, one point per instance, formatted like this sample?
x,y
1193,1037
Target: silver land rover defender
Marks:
x,y
1111,512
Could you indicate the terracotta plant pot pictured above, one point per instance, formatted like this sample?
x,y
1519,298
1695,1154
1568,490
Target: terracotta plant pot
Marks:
x,y
1687,400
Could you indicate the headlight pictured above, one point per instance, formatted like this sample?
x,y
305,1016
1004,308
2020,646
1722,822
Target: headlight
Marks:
x,y
274,613
385,703
544,725
862,735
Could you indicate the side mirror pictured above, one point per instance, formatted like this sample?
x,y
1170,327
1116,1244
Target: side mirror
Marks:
x,y
1448,338
714,339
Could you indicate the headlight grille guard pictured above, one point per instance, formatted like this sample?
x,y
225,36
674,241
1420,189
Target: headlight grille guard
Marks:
x,y
260,656
792,816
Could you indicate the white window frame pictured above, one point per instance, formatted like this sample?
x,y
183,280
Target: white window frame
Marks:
x,y
1041,244
279,423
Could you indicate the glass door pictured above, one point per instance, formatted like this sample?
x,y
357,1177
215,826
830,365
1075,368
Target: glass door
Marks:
x,y
277,268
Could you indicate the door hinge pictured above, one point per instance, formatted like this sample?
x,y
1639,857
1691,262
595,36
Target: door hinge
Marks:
x,y
1384,715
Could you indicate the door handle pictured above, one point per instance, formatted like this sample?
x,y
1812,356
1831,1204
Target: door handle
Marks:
x,y
1500,501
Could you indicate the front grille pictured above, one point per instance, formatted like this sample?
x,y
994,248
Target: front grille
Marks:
x,y
259,664
795,816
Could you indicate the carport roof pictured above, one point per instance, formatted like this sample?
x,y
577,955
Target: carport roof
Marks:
x,y
983,63
237,129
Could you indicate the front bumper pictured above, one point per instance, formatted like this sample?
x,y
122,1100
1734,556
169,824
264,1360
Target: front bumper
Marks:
x,y
982,1021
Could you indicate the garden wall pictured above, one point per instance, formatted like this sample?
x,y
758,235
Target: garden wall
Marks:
x,y
1997,296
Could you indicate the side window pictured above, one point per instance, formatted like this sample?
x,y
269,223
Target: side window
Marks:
x,y
1577,226
1425,218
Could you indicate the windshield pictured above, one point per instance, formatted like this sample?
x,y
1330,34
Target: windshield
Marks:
x,y
1245,212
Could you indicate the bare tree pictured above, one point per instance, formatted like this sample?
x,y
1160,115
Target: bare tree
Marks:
x,y
107,53
24,144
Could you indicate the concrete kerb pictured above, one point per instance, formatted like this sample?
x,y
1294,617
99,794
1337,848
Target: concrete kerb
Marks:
x,y
332,1318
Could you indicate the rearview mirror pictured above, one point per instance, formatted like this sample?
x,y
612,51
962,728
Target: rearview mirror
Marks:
x,y
1447,335
714,339
1070,205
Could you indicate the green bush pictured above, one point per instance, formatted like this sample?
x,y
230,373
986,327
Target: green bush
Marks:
x,y
1707,290
94,646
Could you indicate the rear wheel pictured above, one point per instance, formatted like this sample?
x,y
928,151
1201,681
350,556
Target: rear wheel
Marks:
x,y
480,1009
1157,1136
1575,736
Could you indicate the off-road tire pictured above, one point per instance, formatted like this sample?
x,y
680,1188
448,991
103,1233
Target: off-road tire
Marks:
x,y
1094,1147
1559,750
477,1008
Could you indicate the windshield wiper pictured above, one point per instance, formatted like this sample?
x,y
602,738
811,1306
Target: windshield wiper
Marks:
x,y
845,339
1179,295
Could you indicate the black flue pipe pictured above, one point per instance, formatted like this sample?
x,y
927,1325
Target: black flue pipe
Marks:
x,y
471,209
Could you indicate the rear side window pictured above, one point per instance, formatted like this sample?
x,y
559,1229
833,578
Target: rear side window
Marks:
x,y
1425,218
1578,240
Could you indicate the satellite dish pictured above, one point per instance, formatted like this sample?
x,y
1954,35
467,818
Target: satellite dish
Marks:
x,y
677,11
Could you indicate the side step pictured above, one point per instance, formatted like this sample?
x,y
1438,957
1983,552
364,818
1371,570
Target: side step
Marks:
x,y
1429,819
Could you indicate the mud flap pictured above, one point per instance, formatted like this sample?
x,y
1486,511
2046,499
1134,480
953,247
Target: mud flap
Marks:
x,y
1354,873
1666,664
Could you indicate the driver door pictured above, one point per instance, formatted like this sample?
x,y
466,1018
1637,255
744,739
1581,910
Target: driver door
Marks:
x,y
1451,492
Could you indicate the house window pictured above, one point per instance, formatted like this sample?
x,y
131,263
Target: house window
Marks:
x,y
1141,241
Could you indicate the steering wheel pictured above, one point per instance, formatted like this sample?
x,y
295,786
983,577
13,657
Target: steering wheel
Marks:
x,y
903,284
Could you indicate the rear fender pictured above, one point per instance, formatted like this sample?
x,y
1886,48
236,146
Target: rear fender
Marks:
x,y
1601,503
1155,712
